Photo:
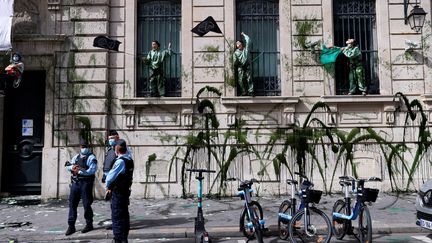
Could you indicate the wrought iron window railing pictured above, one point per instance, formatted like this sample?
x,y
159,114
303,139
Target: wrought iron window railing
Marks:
x,y
159,20
356,19
260,20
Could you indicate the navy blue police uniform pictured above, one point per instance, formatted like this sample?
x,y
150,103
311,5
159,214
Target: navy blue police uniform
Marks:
x,y
82,188
119,181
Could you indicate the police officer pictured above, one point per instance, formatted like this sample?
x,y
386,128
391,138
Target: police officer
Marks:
x,y
110,156
118,183
83,168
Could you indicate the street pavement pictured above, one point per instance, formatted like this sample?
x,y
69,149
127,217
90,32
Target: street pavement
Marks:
x,y
27,219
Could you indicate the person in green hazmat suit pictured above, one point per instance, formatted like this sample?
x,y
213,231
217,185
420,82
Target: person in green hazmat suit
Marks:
x,y
155,59
242,70
356,72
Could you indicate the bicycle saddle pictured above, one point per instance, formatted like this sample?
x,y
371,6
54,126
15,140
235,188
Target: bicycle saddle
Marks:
x,y
247,183
344,183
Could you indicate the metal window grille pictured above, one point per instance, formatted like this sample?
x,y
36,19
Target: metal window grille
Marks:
x,y
159,20
260,20
356,19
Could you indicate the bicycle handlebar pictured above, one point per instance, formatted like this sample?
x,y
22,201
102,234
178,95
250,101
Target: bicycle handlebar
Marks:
x,y
253,180
350,178
201,170
302,175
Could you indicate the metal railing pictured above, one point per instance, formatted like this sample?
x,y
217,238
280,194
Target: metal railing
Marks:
x,y
172,74
265,73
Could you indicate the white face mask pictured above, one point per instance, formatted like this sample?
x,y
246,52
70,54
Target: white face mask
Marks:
x,y
112,142
15,58
85,151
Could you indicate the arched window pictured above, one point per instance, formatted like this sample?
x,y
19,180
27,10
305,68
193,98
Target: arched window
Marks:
x,y
161,21
356,19
260,20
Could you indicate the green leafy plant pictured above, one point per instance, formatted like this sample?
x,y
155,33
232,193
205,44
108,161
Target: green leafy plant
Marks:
x,y
301,140
423,143
305,28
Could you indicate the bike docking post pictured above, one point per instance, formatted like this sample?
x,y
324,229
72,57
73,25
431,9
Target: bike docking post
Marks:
x,y
199,220
201,235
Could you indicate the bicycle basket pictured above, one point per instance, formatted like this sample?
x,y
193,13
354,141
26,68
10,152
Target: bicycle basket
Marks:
x,y
369,195
313,196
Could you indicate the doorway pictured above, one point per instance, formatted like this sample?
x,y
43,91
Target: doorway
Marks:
x,y
23,135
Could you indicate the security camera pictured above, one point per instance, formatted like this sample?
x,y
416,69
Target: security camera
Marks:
x,y
410,45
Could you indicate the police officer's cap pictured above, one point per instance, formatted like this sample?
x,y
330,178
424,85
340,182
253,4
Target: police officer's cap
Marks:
x,y
121,143
84,142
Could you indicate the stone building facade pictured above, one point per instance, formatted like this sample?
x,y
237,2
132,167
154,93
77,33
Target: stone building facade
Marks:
x,y
93,89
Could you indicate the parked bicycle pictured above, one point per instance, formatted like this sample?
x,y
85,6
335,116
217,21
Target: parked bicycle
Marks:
x,y
251,219
287,209
309,224
201,234
343,215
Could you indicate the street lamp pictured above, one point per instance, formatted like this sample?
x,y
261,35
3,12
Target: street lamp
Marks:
x,y
416,18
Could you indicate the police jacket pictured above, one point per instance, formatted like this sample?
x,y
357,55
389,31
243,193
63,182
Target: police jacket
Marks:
x,y
120,176
110,158
87,164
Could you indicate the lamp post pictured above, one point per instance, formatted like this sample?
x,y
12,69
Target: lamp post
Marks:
x,y
416,17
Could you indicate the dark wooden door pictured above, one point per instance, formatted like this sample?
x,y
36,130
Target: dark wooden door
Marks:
x,y
23,135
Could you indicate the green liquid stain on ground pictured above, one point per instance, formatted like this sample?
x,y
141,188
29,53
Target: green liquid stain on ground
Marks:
x,y
399,239
396,210
188,205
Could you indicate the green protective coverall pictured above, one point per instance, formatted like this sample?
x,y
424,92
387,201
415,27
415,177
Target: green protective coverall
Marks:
x,y
242,70
356,73
155,59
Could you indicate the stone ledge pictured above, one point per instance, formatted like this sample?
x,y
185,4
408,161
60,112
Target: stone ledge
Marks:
x,y
358,99
260,100
39,38
426,98
167,101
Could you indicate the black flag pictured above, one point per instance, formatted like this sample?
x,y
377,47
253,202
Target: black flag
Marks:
x,y
209,24
105,42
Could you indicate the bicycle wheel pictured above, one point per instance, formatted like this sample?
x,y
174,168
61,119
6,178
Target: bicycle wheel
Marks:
x,y
339,225
365,225
244,219
283,225
318,228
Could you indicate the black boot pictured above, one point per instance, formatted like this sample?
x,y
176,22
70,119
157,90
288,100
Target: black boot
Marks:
x,y
70,230
87,228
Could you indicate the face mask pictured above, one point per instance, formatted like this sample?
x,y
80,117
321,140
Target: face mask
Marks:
x,y
112,142
85,151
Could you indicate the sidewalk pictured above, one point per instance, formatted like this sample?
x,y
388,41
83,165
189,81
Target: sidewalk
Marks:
x,y
26,219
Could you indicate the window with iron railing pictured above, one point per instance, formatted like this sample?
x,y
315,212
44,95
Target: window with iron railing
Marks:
x,y
161,21
356,19
259,19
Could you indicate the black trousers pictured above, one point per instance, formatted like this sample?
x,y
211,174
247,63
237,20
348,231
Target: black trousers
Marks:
x,y
82,189
120,215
